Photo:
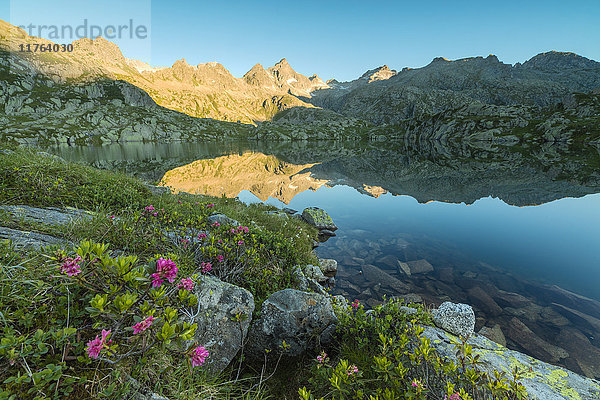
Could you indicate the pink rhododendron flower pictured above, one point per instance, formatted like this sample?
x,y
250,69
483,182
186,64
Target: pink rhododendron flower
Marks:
x,y
71,266
321,357
185,243
211,205
220,258
155,214
454,396
202,235
95,346
186,284
165,269
157,280
143,325
416,383
216,224
206,267
353,369
112,217
150,208
241,242
355,304
198,356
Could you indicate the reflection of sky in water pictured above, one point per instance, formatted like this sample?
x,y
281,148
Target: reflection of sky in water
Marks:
x,y
557,242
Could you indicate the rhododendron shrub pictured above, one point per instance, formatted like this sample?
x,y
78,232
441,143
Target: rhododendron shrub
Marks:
x,y
110,311
383,355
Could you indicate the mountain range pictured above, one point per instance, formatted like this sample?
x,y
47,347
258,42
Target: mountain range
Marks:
x,y
96,93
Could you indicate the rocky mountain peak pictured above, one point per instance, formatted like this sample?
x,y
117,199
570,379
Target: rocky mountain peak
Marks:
x,y
256,67
559,60
258,76
181,64
102,49
377,74
439,60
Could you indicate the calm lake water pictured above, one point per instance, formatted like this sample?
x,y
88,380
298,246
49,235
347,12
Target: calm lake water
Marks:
x,y
514,231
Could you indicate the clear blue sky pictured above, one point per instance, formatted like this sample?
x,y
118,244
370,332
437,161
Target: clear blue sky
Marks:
x,y
338,39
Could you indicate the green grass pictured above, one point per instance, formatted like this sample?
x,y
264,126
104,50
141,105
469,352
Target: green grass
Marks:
x,y
32,179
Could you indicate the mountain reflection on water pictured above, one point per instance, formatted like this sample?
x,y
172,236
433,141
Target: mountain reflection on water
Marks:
x,y
434,173
511,230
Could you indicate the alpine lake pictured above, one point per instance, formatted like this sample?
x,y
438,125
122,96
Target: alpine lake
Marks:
x,y
513,231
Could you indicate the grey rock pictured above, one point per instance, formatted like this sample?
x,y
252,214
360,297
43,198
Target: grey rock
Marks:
x,y
48,216
289,210
30,240
318,218
324,235
542,381
328,266
458,319
300,279
299,318
222,219
314,272
340,300
280,214
409,310
52,156
218,331
158,190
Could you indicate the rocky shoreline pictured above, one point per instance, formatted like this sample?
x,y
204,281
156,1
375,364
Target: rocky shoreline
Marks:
x,y
303,318
544,321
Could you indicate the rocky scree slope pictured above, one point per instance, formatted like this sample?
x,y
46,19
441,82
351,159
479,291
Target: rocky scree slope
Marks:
x,y
413,93
36,109
205,90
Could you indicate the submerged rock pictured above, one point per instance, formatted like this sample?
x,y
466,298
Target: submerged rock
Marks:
x,y
494,334
520,333
374,274
301,319
318,218
219,329
458,319
482,299
420,266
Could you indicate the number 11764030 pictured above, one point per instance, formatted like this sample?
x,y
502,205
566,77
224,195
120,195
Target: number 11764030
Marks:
x,y
46,48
